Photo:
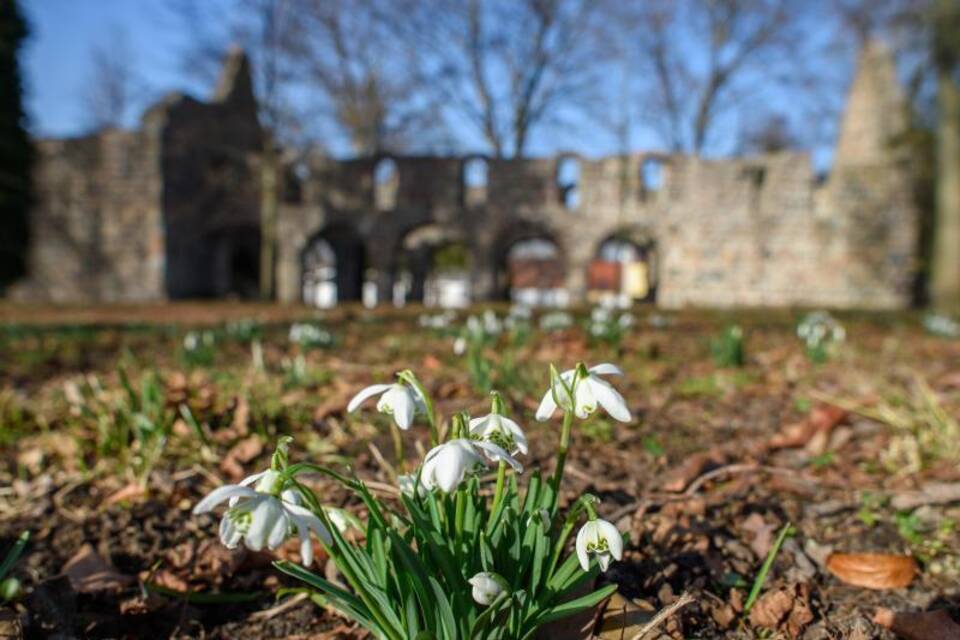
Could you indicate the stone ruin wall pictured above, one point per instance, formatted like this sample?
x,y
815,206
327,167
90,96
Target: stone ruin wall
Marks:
x,y
150,214
163,212
97,226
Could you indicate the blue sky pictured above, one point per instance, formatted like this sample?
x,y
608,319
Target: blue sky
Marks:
x,y
57,56
57,62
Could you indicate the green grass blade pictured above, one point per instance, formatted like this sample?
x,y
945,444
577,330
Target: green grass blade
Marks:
x,y
765,569
14,554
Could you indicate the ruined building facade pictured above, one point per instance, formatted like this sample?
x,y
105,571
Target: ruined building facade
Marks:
x,y
171,211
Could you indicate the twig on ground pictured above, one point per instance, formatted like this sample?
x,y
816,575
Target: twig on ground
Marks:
x,y
732,469
283,607
663,614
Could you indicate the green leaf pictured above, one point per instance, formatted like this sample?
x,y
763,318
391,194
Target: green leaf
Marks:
x,y
572,607
448,621
14,554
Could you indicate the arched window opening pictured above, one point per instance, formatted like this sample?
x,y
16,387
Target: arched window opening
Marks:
x,y
333,268
535,273
320,274
651,177
475,180
568,182
386,183
623,272
434,269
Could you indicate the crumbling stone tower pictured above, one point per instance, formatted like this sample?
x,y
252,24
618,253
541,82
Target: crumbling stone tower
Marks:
x,y
166,211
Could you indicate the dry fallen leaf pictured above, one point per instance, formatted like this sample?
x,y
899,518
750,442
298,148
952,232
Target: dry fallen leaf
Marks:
x,y
679,478
924,625
432,362
133,492
763,534
240,454
873,570
89,573
786,609
623,618
821,421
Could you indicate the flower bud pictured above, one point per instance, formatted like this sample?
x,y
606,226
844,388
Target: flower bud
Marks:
x,y
487,587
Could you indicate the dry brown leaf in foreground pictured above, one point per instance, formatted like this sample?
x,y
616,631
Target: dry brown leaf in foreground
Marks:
x,y
923,625
786,609
873,570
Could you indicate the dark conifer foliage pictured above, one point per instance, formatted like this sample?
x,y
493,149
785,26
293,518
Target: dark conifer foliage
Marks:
x,y
16,152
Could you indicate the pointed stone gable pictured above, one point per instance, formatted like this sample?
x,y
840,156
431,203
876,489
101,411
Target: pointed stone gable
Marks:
x,y
235,85
875,110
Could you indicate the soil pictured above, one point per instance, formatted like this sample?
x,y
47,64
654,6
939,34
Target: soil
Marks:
x,y
716,463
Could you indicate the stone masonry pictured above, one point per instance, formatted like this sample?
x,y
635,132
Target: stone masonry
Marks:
x,y
170,211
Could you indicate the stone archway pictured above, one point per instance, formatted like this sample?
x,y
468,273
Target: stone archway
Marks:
x,y
624,269
236,262
433,264
332,266
530,267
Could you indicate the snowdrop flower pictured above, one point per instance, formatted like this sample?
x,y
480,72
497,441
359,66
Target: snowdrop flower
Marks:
x,y
491,324
556,321
589,390
264,516
487,587
446,465
600,538
460,346
397,400
501,431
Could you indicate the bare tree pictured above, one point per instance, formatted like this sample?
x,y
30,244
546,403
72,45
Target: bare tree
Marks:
x,y
270,32
944,21
371,88
113,88
769,134
507,67
699,59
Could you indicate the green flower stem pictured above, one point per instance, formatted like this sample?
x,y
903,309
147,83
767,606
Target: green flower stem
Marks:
x,y
408,377
585,502
397,444
562,456
353,579
461,511
498,492
560,544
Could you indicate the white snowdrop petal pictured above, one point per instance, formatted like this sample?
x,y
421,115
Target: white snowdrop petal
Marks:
x,y
581,546
547,407
609,398
403,405
606,369
220,494
365,394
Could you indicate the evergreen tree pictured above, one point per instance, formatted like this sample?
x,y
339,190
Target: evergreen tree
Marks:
x,y
16,151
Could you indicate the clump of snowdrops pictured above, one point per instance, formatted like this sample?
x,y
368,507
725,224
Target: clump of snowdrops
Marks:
x,y
728,349
821,334
199,348
941,325
308,336
461,553
608,326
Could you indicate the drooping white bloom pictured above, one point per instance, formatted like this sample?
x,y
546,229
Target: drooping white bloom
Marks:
x,y
447,464
264,516
397,400
487,586
600,538
589,390
501,431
